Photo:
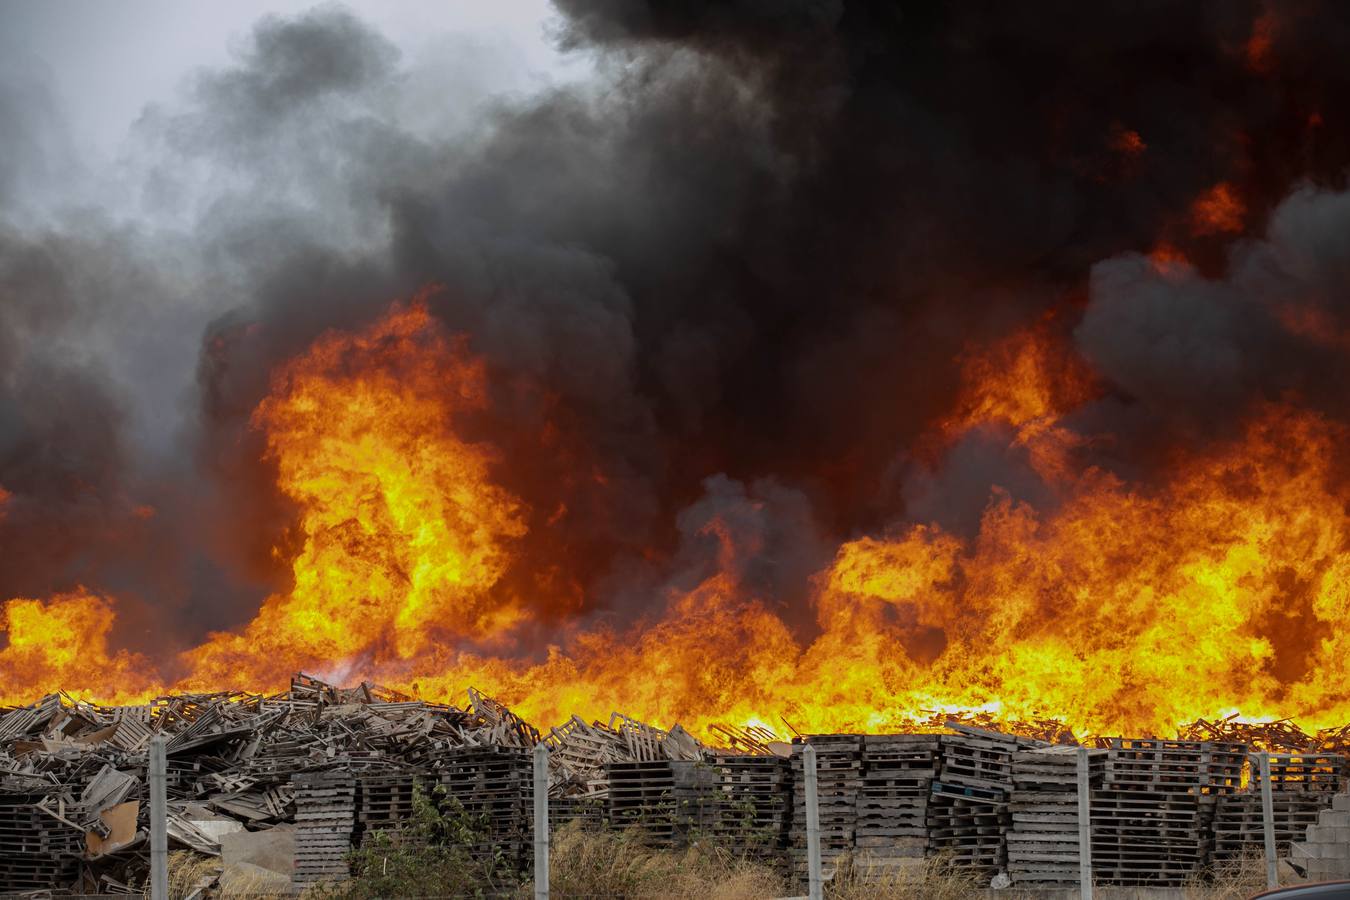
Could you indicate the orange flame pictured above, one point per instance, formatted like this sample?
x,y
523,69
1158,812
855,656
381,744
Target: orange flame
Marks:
x,y
1218,211
404,535
1120,609
64,641
1260,48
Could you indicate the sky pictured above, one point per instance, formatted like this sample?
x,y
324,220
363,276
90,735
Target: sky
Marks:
x,y
105,99
108,61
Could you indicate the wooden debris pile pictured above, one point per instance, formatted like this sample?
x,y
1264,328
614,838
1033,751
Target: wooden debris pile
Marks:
x,y
336,762
339,764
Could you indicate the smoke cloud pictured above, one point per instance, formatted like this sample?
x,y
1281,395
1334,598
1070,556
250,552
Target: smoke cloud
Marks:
x,y
723,284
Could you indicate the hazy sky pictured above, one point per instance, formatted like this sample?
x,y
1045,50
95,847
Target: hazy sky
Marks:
x,y
106,142
106,61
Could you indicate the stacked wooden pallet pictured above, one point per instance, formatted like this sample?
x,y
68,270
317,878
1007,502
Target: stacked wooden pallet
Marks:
x,y
1151,820
40,851
967,812
1239,824
589,813
669,799
1043,814
325,825
753,802
838,779
642,795
1302,784
494,786
897,780
1302,773
387,802
1202,767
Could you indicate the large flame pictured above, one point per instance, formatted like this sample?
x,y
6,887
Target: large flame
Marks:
x,y
403,533
1114,607
63,642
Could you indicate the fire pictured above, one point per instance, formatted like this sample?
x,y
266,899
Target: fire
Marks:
x,y
1218,211
1114,608
64,641
403,534
1127,142
1019,380
1261,43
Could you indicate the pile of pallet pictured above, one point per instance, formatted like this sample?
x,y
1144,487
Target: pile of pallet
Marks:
x,y
752,803
39,850
494,786
968,811
1302,785
838,780
1151,819
249,761
388,803
669,800
893,797
325,827
1043,834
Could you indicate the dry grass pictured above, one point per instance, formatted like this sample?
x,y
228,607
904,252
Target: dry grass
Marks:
x,y
933,878
186,871
1236,879
589,864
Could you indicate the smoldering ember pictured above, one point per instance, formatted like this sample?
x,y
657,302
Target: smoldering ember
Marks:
x,y
674,448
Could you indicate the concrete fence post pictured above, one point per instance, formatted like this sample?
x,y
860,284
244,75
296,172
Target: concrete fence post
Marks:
x,y
1268,822
159,819
1084,826
540,822
812,824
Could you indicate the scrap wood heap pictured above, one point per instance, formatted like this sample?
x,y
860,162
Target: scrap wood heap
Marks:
x,y
332,766
73,796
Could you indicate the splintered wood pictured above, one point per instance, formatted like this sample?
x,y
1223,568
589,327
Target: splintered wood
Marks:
x,y
339,765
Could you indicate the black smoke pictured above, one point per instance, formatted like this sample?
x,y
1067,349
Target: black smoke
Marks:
x,y
753,246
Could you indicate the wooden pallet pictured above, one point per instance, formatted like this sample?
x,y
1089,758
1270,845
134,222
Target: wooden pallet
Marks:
x,y
971,832
325,820
667,799
978,762
752,804
1148,837
1302,772
1206,767
1043,848
1239,822
839,770
494,786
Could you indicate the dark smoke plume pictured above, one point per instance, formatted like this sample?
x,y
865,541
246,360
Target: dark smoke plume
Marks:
x,y
755,245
